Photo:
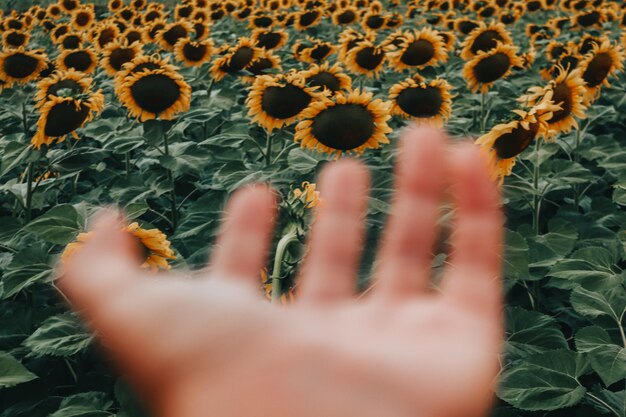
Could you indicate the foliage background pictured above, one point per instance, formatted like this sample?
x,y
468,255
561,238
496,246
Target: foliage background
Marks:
x,y
564,278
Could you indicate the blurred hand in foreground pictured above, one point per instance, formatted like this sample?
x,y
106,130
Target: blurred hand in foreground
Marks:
x,y
213,346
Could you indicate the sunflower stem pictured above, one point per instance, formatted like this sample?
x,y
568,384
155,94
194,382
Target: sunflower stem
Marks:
x,y
268,149
29,191
483,118
281,248
210,89
170,179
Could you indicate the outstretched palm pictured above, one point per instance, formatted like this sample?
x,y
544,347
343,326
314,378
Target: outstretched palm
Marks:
x,y
214,347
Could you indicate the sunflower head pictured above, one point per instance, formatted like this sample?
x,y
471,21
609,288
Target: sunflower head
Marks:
x,y
344,16
62,84
269,39
366,59
326,77
83,18
235,59
485,38
172,33
419,50
192,53
307,195
20,65
605,60
264,64
118,53
80,59
488,67
305,19
317,52
373,20
104,34
71,41
349,123
414,99
14,38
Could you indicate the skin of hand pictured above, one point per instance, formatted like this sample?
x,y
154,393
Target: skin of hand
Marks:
x,y
211,345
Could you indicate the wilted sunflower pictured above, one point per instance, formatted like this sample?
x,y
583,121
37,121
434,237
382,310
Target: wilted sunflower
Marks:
x,y
262,65
344,123
279,100
235,59
117,53
62,115
15,38
307,18
192,53
172,32
484,38
505,141
149,94
83,18
20,65
327,78
488,67
567,91
366,59
604,60
83,59
152,247
72,81
419,50
269,39
344,16
417,100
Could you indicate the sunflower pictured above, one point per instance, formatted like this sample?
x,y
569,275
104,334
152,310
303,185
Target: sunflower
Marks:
x,y
350,38
261,66
152,31
71,41
73,81
307,194
83,59
201,31
20,65
344,16
465,25
509,17
105,33
269,39
183,11
191,53
555,49
449,39
505,141
344,123
117,53
488,67
307,18
419,50
149,94
279,100
589,18
172,32
596,68
373,20
115,5
83,18
394,40
261,21
327,78
366,59
567,91
69,5
54,11
152,247
15,39
417,100
126,14
59,31
139,64
393,20
588,41
483,39
235,59
61,116
317,52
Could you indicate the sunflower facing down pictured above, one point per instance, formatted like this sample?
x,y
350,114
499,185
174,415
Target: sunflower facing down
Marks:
x,y
61,116
597,66
488,67
83,59
567,91
505,141
327,78
149,94
344,123
484,38
419,50
71,80
152,247
21,65
235,59
277,101
191,53
117,53
366,59
414,99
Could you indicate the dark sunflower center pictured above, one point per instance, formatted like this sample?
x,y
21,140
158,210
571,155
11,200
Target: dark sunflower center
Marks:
x,y
83,18
563,97
284,102
343,126
152,15
16,38
486,41
155,30
507,18
587,45
324,79
268,40
71,42
60,31
375,21
239,60
263,21
418,52
67,84
308,18
320,52
557,51
64,118
589,19
70,4
133,36
172,35
150,66
533,5
185,11
346,17
420,102
19,65
194,53
120,56
512,144
369,58
393,22
492,68
155,93
569,62
78,60
106,36
466,26
199,30
598,69
218,14
259,66
244,13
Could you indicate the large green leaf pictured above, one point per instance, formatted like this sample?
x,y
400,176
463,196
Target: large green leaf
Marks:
x,y
61,335
27,267
12,372
591,267
86,404
531,332
606,358
610,302
59,225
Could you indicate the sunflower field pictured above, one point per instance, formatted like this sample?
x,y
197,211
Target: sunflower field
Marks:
x,y
164,109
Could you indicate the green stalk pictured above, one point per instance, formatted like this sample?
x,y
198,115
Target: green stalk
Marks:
x,y
483,119
281,248
29,191
170,179
268,150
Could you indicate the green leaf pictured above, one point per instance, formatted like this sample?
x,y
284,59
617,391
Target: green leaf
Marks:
x,y
85,404
302,161
516,257
532,332
606,358
61,335
544,381
59,225
591,267
12,372
611,302
27,267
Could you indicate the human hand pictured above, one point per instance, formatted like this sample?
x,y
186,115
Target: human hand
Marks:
x,y
213,346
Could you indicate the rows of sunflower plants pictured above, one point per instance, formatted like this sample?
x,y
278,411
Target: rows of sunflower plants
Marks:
x,y
164,109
